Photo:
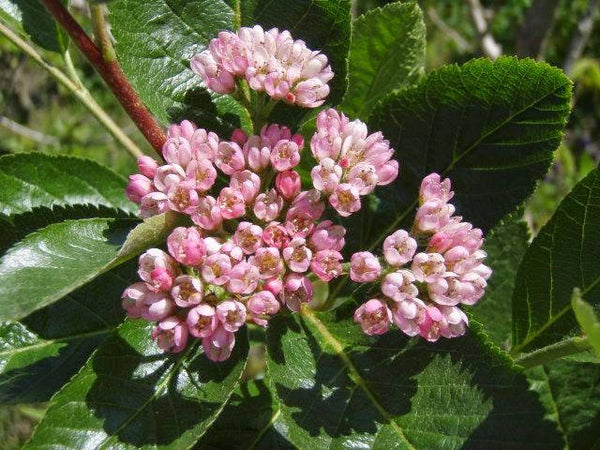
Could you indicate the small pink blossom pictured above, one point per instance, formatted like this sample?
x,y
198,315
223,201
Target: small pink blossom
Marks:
x,y
268,261
267,206
363,176
232,250
202,173
168,175
297,289
364,267
309,203
399,248
231,203
433,215
177,150
433,188
276,235
187,246
218,346
153,259
406,315
231,314
326,264
274,286
428,267
183,197
207,214
147,166
288,184
156,306
171,334
154,203
374,317
216,269
202,321
262,304
326,235
246,182
239,136
326,176
229,158
204,144
248,237
215,77
297,255
285,155
185,130
243,278
399,286
161,279
257,153
187,291
345,199
271,134
133,298
138,187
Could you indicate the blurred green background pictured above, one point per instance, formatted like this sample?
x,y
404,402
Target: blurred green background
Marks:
x,y
37,114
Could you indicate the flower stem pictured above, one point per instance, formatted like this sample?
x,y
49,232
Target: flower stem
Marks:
x,y
552,352
112,74
101,34
75,87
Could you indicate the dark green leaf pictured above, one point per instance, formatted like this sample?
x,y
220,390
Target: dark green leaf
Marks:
x,y
505,246
52,262
38,356
132,395
30,17
32,180
340,389
387,52
570,392
564,255
491,127
586,316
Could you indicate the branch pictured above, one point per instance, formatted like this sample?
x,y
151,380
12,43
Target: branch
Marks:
x,y
77,90
460,41
29,133
488,44
581,36
552,352
538,21
112,74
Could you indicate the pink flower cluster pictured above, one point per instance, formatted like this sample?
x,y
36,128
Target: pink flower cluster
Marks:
x,y
251,247
427,273
270,61
351,161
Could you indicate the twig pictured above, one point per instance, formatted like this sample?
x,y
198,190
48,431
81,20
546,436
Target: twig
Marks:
x,y
112,74
553,352
488,44
29,133
460,41
581,36
82,94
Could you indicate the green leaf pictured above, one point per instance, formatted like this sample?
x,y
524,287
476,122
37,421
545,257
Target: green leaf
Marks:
x,y
586,316
387,52
33,180
341,389
132,395
38,356
251,419
564,255
52,262
491,127
32,19
505,246
570,391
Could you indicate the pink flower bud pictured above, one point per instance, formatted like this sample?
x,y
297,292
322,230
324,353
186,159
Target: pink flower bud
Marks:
x,y
326,235
399,286
276,235
434,189
428,267
246,182
161,279
204,144
214,76
268,261
399,248
297,255
229,158
364,267
177,150
271,134
138,187
235,252
297,289
268,206
433,215
309,203
243,278
152,259
310,93
274,286
257,153
168,175
213,245
183,197
327,265
456,321
183,130
186,246
156,306
218,346
363,177
231,203
231,315
288,184
187,291
326,176
207,214
239,136
285,155
387,173
202,173
202,321
171,334
406,315
154,203
147,166
133,298
432,324
216,269
262,304
374,317
248,236
345,199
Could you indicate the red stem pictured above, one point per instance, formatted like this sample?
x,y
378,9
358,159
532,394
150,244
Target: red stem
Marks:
x,y
112,74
